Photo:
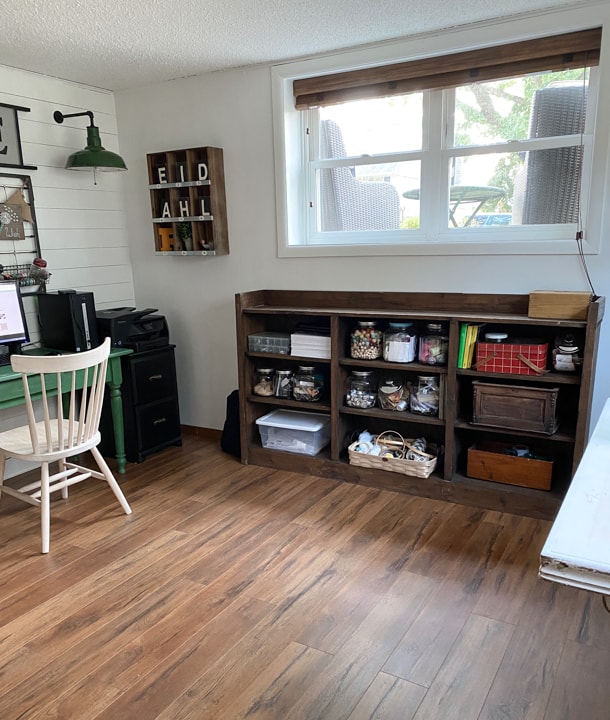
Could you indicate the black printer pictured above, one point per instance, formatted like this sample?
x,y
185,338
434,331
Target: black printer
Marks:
x,y
136,329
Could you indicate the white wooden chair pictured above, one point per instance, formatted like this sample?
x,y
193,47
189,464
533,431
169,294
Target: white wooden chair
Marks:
x,y
60,433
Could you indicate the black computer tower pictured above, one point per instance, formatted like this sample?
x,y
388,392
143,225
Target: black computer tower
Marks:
x,y
67,320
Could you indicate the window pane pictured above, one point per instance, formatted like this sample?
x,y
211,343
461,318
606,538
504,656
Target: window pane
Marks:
x,y
368,197
516,109
371,127
535,187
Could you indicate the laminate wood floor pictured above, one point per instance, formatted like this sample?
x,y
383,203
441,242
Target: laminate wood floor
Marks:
x,y
243,592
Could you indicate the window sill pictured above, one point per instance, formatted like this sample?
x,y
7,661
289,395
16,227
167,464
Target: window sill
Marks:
x,y
539,241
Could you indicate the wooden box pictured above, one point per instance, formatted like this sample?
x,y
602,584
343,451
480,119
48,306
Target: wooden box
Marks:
x,y
515,407
560,304
489,461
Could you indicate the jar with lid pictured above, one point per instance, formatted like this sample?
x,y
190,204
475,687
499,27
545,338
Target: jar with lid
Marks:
x,y
263,382
366,341
308,384
399,342
434,344
496,337
566,356
282,384
361,389
425,399
393,394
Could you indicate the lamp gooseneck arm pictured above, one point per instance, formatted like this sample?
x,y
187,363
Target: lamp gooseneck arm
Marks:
x,y
59,117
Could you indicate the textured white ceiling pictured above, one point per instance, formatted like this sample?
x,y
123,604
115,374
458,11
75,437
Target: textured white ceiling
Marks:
x,y
116,45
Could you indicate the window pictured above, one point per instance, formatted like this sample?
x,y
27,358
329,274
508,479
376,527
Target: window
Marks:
x,y
415,154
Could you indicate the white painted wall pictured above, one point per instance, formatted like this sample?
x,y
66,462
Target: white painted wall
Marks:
x,y
81,226
233,110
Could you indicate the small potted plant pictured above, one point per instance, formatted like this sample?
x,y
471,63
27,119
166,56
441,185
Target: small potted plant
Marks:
x,y
185,235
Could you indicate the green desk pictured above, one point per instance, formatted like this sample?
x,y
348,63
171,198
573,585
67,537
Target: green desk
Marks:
x,y
11,395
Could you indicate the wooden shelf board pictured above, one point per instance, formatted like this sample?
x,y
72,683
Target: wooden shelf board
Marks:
x,y
411,367
186,218
552,378
186,183
555,437
412,314
392,415
285,356
186,252
294,404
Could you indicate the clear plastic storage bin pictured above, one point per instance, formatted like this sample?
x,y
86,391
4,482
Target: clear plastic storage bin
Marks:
x,y
294,431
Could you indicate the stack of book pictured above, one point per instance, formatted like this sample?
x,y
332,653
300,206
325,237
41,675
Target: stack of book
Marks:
x,y
469,334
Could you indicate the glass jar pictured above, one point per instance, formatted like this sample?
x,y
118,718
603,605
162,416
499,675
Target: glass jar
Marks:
x,y
263,382
393,394
308,384
566,357
361,389
366,341
496,337
425,399
433,345
399,342
282,384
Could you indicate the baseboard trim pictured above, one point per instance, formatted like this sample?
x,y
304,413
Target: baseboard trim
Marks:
x,y
200,432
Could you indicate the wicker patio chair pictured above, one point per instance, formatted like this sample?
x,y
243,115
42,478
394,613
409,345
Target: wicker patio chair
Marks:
x,y
548,188
348,203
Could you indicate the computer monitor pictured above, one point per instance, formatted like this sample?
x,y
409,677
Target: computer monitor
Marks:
x,y
13,325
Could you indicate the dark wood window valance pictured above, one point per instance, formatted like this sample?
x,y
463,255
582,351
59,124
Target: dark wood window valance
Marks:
x,y
557,52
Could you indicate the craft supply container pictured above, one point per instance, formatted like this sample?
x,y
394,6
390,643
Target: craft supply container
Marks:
x,y
263,382
308,384
399,342
425,399
433,345
361,390
366,341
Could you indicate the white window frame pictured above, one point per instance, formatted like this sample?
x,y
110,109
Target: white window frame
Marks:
x,y
434,237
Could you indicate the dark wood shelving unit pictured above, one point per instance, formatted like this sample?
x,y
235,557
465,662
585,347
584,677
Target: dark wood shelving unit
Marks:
x,y
283,310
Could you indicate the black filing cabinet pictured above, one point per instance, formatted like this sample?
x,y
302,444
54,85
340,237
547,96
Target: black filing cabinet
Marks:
x,y
150,404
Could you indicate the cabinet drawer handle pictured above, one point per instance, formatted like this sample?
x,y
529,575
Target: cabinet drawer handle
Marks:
x,y
159,421
155,377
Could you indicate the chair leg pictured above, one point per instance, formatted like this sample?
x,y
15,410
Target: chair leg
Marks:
x,y
62,468
45,502
114,486
2,466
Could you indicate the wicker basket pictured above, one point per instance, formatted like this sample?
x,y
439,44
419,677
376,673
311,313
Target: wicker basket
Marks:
x,y
393,441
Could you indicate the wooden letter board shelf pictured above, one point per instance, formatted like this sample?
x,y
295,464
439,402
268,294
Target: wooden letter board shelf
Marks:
x,y
187,196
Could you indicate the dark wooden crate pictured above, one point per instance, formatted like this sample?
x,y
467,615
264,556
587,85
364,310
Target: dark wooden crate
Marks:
x,y
515,407
488,460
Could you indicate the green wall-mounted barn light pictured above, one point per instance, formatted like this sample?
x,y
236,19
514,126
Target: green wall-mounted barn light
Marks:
x,y
94,156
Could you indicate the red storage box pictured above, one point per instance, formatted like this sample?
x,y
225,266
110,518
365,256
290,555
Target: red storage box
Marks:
x,y
519,357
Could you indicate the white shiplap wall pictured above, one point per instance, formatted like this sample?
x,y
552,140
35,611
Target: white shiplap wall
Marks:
x,y
81,226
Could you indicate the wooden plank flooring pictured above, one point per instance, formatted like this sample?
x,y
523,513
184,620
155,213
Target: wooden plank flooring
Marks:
x,y
245,592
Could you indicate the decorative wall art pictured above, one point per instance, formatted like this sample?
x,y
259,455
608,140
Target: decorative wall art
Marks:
x,y
10,137
19,245
14,212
